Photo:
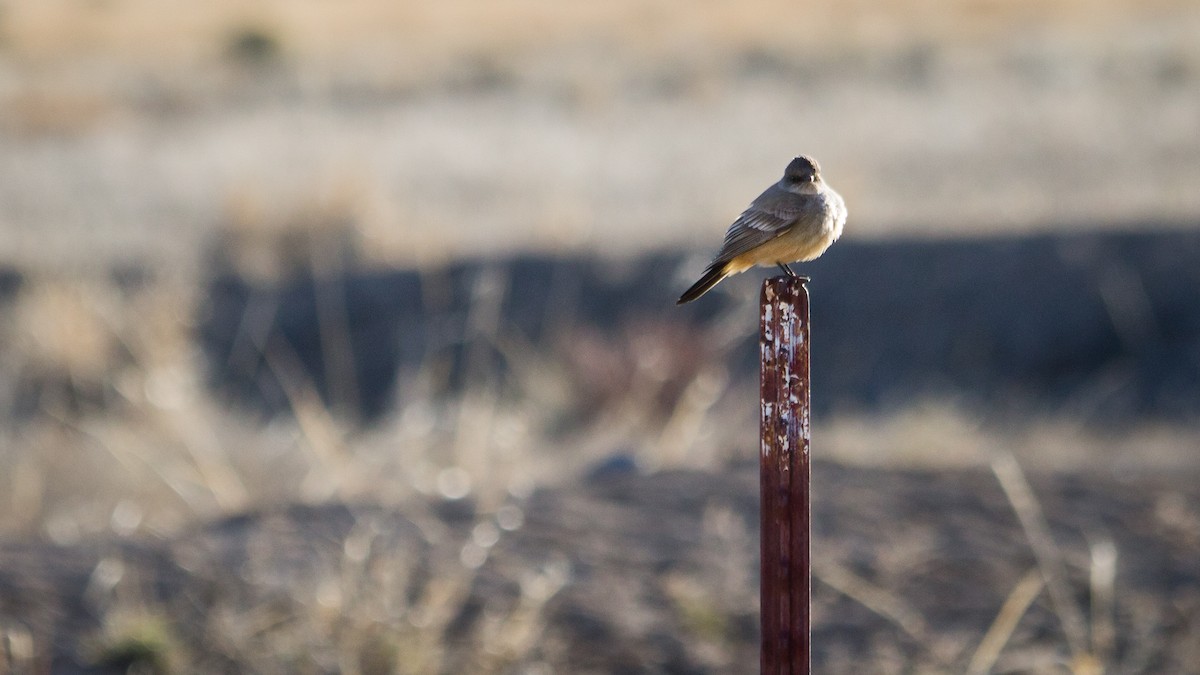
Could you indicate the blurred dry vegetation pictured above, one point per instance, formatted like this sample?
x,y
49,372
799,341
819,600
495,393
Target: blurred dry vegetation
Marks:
x,y
172,470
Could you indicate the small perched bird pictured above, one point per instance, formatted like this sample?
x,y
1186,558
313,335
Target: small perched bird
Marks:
x,y
794,220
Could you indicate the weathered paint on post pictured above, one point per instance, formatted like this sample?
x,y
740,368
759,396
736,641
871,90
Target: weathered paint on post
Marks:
x,y
785,472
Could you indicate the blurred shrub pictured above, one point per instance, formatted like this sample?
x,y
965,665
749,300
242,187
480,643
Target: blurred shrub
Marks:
x,y
137,643
253,45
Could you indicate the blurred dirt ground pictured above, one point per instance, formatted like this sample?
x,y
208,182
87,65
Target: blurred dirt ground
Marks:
x,y
625,573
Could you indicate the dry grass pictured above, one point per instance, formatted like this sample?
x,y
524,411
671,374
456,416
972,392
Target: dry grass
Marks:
x,y
154,455
932,434
605,574
115,430
150,453
166,458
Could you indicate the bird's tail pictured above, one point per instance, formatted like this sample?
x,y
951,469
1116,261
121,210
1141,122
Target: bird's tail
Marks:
x,y
714,274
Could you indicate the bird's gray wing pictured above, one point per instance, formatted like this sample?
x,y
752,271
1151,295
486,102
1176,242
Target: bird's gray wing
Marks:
x,y
768,216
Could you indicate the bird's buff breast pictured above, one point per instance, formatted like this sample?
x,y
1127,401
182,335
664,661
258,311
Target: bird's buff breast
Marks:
x,y
798,244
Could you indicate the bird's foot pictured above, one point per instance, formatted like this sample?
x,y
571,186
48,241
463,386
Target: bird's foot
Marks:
x,y
788,271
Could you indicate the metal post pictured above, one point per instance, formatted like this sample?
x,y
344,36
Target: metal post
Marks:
x,y
785,471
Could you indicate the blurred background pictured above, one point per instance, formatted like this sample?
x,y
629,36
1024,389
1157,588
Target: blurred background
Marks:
x,y
341,336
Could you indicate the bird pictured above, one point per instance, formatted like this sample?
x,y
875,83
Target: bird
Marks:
x,y
794,220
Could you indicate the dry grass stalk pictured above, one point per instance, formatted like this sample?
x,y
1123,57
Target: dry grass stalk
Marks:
x,y
1049,559
998,634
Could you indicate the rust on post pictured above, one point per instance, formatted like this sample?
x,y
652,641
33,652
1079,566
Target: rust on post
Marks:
x,y
785,472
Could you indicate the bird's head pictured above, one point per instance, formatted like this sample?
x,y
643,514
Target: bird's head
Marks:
x,y
803,169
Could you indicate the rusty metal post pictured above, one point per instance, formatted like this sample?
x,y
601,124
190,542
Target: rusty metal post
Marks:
x,y
785,471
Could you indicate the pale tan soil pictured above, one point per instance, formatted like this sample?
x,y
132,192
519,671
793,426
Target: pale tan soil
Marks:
x,y
130,132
